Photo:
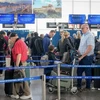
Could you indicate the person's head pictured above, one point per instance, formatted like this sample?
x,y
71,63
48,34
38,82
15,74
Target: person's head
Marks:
x,y
52,33
66,34
32,34
8,33
85,28
74,36
3,33
42,35
51,48
13,37
78,34
28,35
61,33
35,34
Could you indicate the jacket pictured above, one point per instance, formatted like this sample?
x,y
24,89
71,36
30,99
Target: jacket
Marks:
x,y
46,42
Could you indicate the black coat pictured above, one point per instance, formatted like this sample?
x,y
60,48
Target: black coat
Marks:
x,y
67,45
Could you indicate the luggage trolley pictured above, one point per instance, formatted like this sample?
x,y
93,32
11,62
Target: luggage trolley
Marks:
x,y
66,84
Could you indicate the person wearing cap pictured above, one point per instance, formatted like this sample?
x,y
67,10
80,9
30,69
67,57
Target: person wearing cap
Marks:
x,y
19,57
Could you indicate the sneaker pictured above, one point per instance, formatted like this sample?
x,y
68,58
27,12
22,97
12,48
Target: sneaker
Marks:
x,y
26,97
99,89
93,88
15,96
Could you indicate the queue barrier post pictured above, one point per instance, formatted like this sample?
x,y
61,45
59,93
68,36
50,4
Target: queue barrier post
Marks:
x,y
58,73
43,78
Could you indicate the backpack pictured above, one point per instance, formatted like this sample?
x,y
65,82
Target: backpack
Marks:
x,y
39,46
43,62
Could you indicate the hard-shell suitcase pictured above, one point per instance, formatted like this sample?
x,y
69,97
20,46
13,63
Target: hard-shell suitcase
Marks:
x,y
8,86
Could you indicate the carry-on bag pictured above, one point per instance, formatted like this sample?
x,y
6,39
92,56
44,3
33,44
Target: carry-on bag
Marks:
x,y
8,86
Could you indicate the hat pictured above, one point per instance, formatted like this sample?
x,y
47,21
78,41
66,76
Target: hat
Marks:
x,y
13,34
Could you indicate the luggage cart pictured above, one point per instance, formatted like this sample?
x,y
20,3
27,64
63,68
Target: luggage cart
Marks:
x,y
65,84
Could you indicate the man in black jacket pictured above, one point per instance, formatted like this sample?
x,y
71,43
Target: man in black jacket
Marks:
x,y
36,46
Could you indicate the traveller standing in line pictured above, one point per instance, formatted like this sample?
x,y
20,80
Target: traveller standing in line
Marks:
x,y
19,57
86,50
46,40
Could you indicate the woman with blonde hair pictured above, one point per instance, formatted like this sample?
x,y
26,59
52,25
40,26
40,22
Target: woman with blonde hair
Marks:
x,y
77,41
78,34
68,43
60,45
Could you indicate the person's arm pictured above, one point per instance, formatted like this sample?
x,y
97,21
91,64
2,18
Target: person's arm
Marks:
x,y
69,44
6,44
18,59
89,48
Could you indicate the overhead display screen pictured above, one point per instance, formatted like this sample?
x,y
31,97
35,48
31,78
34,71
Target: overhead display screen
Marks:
x,y
51,25
93,19
26,18
6,18
77,19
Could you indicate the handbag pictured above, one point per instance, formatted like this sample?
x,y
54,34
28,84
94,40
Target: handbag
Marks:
x,y
18,74
66,58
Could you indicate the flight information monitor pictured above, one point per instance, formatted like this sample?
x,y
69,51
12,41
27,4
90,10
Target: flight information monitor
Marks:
x,y
93,19
77,19
26,18
6,18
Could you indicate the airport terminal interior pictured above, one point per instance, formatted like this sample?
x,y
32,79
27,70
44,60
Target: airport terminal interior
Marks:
x,y
22,20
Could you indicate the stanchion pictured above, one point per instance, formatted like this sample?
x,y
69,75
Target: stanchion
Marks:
x,y
43,87
58,73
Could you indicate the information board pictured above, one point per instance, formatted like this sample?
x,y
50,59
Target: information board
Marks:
x,y
77,19
93,19
26,18
6,18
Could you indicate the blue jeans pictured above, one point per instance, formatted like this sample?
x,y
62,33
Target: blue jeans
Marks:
x,y
85,61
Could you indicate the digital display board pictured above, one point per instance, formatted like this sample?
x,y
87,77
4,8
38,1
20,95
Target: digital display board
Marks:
x,y
77,19
63,25
51,25
12,25
26,18
93,19
71,26
6,18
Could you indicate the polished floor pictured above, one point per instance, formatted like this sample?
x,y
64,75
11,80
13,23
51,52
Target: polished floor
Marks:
x,y
36,90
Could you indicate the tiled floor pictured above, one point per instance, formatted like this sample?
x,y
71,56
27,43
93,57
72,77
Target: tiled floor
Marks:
x,y
36,89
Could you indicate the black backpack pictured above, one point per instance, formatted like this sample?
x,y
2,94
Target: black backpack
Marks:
x,y
39,46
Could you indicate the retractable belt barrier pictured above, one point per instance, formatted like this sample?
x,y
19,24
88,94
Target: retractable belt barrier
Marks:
x,y
72,77
20,79
27,67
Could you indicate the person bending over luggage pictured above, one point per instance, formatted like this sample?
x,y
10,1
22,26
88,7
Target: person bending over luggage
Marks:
x,y
51,56
19,57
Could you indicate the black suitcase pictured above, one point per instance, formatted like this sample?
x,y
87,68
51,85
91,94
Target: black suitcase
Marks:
x,y
8,86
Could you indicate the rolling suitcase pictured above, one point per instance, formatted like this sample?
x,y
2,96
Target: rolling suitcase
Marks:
x,y
8,86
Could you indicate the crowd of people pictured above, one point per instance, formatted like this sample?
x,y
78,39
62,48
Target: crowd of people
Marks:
x,y
83,42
